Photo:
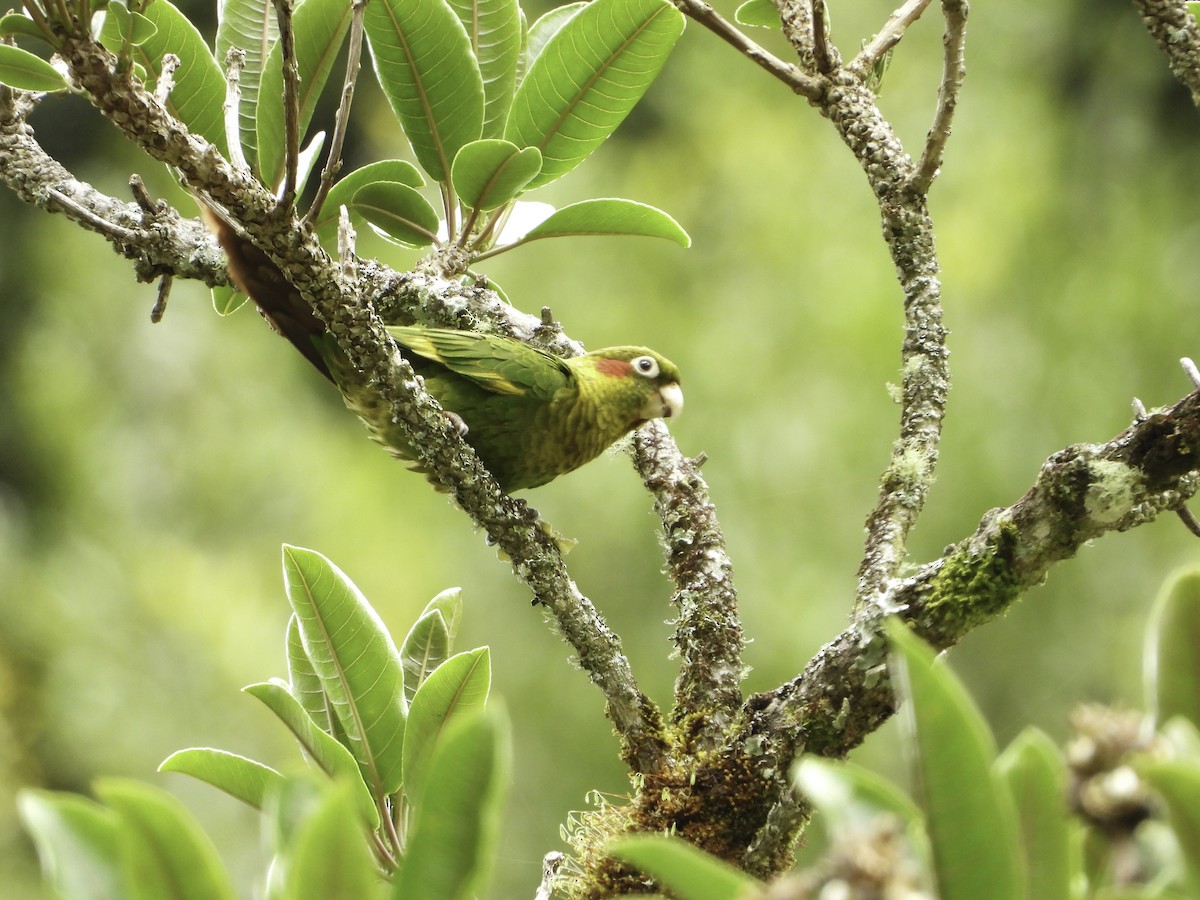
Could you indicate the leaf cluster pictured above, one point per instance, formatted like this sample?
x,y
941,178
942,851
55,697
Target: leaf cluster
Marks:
x,y
400,798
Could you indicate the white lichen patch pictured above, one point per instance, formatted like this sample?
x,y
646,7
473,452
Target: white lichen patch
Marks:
x,y
1110,496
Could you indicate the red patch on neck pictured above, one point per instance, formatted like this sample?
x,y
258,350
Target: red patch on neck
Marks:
x,y
617,368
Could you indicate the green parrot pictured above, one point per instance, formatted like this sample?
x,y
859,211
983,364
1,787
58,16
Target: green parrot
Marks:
x,y
529,415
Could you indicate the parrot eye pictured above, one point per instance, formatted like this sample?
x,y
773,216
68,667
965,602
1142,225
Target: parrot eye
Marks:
x,y
646,365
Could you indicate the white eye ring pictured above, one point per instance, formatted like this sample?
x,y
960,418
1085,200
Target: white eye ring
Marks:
x,y
646,365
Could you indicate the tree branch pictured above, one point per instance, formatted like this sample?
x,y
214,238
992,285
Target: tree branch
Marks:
x,y
1081,493
1174,30
954,70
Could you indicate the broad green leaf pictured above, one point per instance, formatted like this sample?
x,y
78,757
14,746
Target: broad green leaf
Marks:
x,y
684,869
457,687
609,216
76,840
252,26
330,857
1034,770
304,684
26,71
494,30
236,775
588,77
759,13
425,648
545,28
356,660
165,854
424,64
489,173
198,95
1173,649
454,827
320,27
308,159
449,601
343,191
969,815
333,759
132,26
1178,783
15,23
227,300
397,210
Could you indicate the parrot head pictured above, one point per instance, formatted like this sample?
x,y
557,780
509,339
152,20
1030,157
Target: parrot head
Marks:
x,y
635,382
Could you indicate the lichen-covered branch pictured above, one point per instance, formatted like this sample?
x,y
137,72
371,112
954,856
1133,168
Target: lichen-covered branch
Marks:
x,y
708,630
1175,31
1081,493
360,334
163,243
954,70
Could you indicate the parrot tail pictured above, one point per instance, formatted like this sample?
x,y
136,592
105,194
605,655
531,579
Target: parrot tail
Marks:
x,y
253,273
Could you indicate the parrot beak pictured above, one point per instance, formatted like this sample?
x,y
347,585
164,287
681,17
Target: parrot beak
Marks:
x,y
666,404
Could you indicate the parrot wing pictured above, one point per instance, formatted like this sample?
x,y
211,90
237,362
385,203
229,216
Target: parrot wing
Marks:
x,y
497,364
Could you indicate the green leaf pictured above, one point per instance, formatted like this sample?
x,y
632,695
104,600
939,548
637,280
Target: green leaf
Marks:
x,y
1173,649
489,173
449,601
320,28
304,684
545,28
687,871
15,23
332,757
425,648
76,840
841,791
353,655
198,97
1178,783
330,857
25,71
458,686
609,216
494,30
454,827
227,300
970,817
165,855
1035,773
424,64
758,13
252,26
132,26
344,190
398,211
588,77
236,775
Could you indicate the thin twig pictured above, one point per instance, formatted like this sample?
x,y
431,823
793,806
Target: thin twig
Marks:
x,y
888,37
333,163
804,85
166,77
1189,520
85,216
235,61
291,105
823,52
1193,374
954,70
160,299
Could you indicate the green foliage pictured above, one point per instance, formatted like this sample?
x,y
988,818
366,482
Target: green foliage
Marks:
x,y
252,27
27,72
345,829
1172,660
688,873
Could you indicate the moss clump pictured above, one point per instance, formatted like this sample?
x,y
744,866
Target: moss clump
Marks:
x,y
972,586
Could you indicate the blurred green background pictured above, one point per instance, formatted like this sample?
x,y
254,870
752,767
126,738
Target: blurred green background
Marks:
x,y
149,473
